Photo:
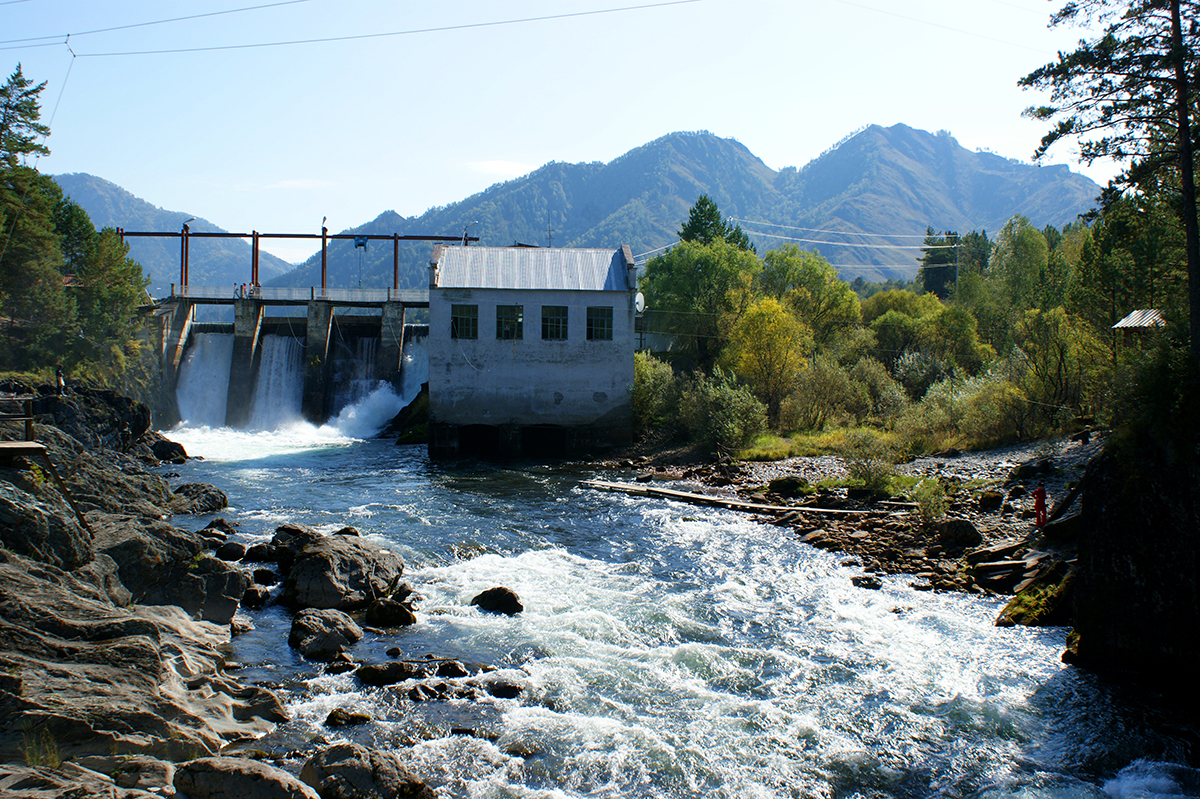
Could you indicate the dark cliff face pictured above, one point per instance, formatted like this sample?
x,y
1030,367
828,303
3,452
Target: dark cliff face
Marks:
x,y
1137,600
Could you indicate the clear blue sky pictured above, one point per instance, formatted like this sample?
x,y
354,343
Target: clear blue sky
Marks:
x,y
273,138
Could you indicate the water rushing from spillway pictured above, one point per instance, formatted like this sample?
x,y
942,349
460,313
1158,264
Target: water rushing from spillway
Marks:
x,y
668,651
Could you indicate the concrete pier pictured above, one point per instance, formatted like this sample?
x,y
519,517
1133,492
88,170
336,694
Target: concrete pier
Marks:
x,y
247,331
316,357
388,355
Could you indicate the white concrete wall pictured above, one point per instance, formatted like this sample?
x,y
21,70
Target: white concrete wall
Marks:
x,y
529,381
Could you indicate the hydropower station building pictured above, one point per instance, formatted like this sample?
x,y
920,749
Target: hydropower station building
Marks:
x,y
530,350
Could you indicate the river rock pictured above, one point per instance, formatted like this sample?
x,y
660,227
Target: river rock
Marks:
x,y
132,771
351,771
238,777
389,613
323,634
96,679
256,596
221,525
335,571
169,451
198,498
261,553
388,673
499,600
265,577
340,717
957,533
989,500
231,551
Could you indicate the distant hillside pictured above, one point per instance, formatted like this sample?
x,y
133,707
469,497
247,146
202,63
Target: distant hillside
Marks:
x,y
899,180
211,262
894,181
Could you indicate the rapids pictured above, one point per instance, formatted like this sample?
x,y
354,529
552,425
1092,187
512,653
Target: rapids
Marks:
x,y
665,650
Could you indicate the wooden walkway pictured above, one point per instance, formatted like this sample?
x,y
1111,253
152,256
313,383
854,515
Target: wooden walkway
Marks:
x,y
34,449
642,490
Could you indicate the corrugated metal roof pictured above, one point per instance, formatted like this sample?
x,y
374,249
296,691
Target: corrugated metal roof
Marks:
x,y
532,268
1149,317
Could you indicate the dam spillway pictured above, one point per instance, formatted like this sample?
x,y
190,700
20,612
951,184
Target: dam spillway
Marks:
x,y
263,370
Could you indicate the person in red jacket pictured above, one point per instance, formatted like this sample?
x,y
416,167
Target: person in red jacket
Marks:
x,y
1039,503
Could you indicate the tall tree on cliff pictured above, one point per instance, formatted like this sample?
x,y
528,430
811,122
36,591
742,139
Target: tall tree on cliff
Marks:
x,y
1130,96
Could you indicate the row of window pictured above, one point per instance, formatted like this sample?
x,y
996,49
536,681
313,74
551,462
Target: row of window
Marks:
x,y
510,322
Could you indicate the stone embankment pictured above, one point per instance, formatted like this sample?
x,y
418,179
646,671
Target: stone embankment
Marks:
x,y
114,635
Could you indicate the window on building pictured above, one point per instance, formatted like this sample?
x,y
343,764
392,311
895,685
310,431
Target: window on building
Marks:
x,y
510,321
599,324
554,322
464,321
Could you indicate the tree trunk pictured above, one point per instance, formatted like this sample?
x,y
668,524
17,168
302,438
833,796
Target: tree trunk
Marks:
x,y
1183,104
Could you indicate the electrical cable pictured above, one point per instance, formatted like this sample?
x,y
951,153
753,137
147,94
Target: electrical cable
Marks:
x,y
362,36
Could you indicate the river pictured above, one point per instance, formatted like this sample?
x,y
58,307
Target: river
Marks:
x,y
665,650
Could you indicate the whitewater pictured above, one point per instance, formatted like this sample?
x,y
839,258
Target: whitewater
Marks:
x,y
664,650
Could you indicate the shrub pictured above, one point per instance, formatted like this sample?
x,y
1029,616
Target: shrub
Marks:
x,y
931,499
824,390
719,414
994,413
655,395
869,460
886,396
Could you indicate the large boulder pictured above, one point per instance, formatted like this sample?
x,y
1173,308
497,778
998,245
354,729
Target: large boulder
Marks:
x,y
167,450
334,571
351,771
165,565
323,634
238,777
957,533
198,498
499,600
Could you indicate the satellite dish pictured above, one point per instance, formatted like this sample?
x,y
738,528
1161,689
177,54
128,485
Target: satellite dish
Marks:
x,y
639,302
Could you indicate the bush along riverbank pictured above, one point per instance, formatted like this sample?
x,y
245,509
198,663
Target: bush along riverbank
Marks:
x,y
115,629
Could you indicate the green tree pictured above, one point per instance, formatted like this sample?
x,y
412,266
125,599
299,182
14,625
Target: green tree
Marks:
x,y
811,288
939,263
20,112
706,225
1130,95
696,292
767,349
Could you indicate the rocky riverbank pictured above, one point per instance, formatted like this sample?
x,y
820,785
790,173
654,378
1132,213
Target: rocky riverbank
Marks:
x,y
986,542
115,628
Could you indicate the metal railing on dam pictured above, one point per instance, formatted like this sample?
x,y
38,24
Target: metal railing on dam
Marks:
x,y
273,295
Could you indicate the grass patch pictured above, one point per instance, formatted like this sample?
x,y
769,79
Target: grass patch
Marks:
x,y
813,443
40,749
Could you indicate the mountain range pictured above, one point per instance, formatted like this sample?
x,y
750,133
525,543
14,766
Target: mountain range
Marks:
x,y
856,203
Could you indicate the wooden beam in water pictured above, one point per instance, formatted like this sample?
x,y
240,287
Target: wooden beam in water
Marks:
x,y
720,502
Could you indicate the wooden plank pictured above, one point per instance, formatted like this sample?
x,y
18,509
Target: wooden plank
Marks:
x,y
721,502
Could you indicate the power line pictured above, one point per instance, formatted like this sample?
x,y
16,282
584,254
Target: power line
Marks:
x,y
849,244
362,36
155,22
835,232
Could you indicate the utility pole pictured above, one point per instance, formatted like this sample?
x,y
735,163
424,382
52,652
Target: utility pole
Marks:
x,y
549,232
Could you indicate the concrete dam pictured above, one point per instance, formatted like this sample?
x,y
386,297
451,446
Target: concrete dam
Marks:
x,y
267,367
